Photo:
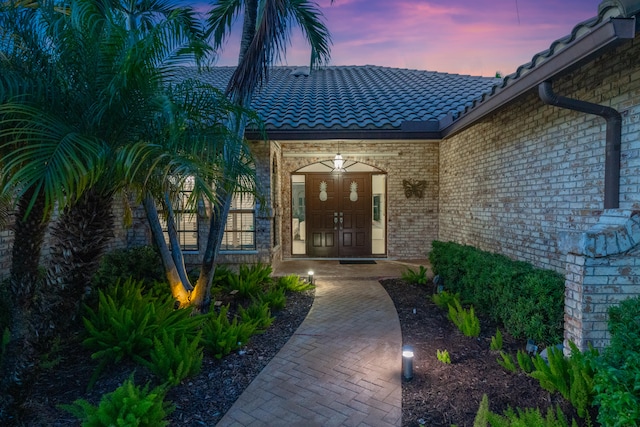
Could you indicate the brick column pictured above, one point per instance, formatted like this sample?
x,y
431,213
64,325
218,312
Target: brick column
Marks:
x,y
602,269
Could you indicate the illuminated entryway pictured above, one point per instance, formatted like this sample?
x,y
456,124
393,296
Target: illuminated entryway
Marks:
x,y
338,214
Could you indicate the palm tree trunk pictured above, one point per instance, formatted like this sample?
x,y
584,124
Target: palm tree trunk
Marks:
x,y
180,289
248,26
201,296
79,239
25,328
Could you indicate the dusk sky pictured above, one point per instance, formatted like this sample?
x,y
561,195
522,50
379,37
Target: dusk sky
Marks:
x,y
477,37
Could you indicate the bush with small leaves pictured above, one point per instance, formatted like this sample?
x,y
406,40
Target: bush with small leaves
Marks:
x,y
128,405
617,381
141,263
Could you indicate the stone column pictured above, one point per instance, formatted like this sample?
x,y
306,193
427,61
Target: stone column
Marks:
x,y
603,268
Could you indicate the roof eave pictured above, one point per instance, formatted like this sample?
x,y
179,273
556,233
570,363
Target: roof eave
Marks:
x,y
607,35
366,134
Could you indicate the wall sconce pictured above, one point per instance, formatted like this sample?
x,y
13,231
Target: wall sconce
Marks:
x,y
407,362
338,162
310,277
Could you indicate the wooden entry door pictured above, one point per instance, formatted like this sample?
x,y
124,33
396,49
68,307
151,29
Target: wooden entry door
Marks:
x,y
338,214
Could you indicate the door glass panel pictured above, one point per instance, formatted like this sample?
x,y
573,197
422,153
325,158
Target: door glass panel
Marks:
x,y
378,214
298,229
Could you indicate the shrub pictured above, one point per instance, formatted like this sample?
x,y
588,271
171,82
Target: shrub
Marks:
x,y
128,405
617,380
520,417
141,263
418,277
465,320
444,299
173,359
524,361
258,273
293,283
529,302
246,287
506,361
257,313
275,298
221,336
126,321
496,341
443,356
572,377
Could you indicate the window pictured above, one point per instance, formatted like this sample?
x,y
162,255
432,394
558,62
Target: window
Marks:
x,y
186,220
239,232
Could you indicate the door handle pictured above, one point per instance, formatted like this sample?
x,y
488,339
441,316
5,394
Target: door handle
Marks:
x,y
335,221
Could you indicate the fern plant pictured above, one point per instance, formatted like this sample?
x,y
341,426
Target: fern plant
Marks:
x,y
444,299
465,320
257,313
524,361
293,283
554,374
520,417
128,405
126,321
418,277
221,336
496,341
443,356
173,360
506,361
275,298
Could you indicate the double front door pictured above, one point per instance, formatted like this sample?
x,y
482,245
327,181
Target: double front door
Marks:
x,y
338,209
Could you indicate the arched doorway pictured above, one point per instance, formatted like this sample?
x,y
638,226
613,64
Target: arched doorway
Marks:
x,y
338,214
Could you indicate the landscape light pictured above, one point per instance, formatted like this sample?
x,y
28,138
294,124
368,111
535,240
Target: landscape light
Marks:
x,y
407,362
310,278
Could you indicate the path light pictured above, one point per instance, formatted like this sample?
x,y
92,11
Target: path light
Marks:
x,y
310,278
407,362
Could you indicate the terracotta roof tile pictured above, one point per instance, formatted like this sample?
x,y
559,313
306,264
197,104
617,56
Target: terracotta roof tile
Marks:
x,y
357,97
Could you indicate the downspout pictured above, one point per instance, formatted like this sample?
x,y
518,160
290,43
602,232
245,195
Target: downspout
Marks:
x,y
614,138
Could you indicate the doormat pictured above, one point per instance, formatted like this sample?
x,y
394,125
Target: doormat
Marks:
x,y
357,261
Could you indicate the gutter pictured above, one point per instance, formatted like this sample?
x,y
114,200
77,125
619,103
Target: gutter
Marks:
x,y
613,142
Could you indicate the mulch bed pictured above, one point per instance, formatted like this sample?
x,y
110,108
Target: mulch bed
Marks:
x,y
438,395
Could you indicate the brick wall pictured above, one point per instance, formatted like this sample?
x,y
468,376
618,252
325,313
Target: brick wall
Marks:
x,y
517,179
411,222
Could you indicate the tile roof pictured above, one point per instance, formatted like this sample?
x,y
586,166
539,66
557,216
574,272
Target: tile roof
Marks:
x,y
364,98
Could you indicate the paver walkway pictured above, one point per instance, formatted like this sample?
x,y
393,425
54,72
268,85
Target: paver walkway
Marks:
x,y
342,367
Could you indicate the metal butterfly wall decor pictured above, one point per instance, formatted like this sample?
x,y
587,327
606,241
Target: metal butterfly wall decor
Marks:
x,y
414,188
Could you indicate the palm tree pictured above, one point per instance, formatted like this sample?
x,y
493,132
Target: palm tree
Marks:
x,y
78,86
265,35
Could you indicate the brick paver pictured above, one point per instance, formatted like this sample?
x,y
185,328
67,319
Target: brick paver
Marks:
x,y
342,367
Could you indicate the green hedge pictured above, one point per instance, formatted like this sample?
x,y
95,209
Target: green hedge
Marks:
x,y
617,379
528,301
